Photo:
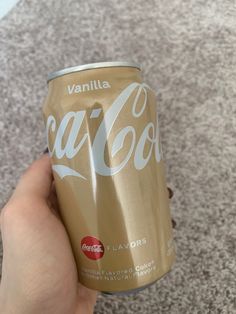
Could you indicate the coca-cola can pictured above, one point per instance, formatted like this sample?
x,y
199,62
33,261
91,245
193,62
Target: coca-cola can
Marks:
x,y
104,142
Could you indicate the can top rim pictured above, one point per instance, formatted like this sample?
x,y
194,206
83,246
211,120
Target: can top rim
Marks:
x,y
91,66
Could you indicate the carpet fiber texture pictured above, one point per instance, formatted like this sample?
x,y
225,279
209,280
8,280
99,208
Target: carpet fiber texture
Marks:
x,y
188,53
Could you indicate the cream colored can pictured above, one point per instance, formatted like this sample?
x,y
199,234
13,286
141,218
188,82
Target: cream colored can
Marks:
x,y
103,138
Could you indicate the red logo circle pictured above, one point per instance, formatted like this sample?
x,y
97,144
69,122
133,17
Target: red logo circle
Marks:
x,y
92,247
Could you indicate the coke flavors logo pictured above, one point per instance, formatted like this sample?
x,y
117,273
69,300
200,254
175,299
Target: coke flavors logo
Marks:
x,y
92,247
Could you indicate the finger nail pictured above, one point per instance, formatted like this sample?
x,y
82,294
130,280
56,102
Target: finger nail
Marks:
x,y
45,151
171,193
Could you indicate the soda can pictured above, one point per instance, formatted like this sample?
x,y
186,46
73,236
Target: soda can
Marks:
x,y
104,142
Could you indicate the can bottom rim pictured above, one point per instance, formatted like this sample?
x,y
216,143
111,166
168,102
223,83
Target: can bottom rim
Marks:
x,y
131,291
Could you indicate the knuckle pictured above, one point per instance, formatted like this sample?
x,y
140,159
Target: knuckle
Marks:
x,y
15,211
22,211
8,215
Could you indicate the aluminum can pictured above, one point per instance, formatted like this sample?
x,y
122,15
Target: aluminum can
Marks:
x,y
103,138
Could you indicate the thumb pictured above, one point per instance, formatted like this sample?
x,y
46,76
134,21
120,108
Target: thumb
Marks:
x,y
37,180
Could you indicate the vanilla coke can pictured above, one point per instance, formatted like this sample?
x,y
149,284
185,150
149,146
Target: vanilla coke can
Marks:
x,y
104,142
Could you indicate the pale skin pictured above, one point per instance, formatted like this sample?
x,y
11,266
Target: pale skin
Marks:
x,y
39,275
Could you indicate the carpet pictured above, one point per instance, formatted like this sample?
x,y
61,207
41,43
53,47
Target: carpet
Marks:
x,y
188,53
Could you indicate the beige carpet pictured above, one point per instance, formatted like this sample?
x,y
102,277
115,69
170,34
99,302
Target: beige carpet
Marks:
x,y
188,53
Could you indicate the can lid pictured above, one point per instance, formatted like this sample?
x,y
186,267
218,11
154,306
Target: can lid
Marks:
x,y
91,66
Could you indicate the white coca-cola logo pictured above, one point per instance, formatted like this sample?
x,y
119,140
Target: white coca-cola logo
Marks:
x,y
97,248
150,134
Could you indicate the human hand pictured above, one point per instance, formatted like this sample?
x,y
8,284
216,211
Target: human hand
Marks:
x,y
38,272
